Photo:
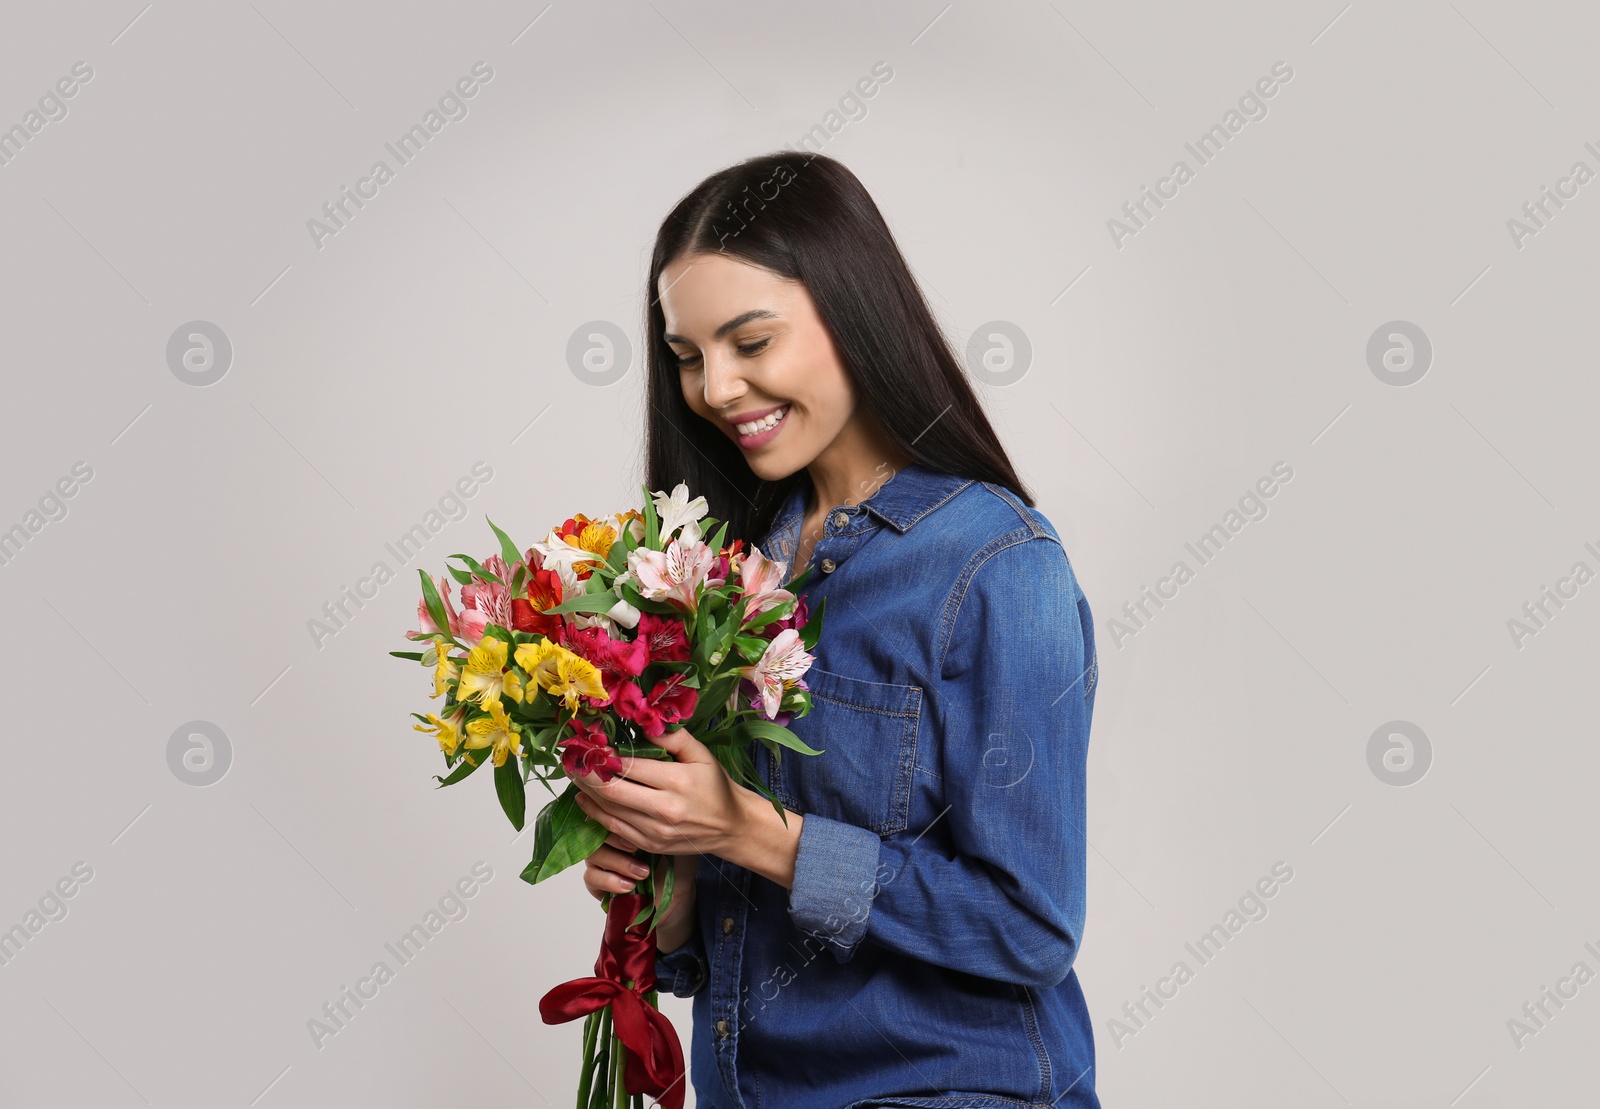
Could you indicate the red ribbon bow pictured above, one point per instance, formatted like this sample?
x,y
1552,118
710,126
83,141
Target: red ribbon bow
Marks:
x,y
654,1062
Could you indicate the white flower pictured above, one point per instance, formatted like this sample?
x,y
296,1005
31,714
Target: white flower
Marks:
x,y
678,510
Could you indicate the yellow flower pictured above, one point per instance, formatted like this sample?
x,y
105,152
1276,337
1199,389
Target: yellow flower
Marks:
x,y
539,660
445,669
560,672
494,730
484,680
449,738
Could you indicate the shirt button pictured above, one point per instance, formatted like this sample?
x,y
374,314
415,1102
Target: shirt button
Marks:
x,y
727,926
840,519
827,565
722,1029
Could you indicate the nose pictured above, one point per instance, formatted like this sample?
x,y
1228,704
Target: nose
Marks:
x,y
723,382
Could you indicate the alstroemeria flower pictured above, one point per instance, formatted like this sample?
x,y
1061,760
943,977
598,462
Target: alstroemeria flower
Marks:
x,y
497,731
445,668
664,637
761,578
678,511
668,703
561,673
447,729
425,625
485,602
616,659
589,752
779,666
578,544
673,575
485,678
544,590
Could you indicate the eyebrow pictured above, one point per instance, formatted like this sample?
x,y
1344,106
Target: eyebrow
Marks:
x,y
737,321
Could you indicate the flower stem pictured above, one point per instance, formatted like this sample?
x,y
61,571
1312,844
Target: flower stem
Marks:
x,y
619,1093
600,1094
591,1028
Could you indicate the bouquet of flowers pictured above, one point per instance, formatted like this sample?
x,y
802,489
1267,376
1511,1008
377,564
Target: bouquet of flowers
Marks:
x,y
569,658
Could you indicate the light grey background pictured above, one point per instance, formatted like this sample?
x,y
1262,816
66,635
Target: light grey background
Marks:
x,y
1168,374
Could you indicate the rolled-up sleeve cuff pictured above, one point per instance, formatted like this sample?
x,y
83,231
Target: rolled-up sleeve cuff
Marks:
x,y
834,882
682,971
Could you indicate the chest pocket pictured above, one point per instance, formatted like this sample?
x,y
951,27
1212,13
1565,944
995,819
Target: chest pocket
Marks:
x,y
867,732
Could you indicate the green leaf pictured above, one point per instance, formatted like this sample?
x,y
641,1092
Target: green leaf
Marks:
x,y
767,731
508,549
513,791
414,656
813,628
462,577
476,567
586,602
430,597
751,647
463,768
652,526
562,836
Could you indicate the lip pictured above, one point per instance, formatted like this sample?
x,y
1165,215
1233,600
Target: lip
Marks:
x,y
751,442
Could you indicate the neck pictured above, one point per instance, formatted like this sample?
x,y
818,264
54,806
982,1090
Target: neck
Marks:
x,y
848,478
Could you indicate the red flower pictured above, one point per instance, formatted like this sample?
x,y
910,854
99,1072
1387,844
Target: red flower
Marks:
x,y
664,637
589,752
617,659
544,591
668,703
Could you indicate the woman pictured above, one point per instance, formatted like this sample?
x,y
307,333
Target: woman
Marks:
x,y
905,934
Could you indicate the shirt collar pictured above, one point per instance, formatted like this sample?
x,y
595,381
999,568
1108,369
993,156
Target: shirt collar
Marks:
x,y
911,493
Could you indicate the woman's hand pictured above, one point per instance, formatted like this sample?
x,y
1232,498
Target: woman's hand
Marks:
x,y
691,807
684,807
614,869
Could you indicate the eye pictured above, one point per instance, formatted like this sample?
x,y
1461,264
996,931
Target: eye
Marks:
x,y
749,349
685,361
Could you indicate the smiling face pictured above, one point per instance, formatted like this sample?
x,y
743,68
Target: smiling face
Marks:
x,y
751,346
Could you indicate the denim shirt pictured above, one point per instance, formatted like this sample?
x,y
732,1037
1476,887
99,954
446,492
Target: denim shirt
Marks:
x,y
924,956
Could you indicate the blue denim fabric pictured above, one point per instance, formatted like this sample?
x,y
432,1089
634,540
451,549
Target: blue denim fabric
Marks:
x,y
925,954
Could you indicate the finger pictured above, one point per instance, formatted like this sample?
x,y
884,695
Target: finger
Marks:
x,y
609,821
618,862
655,773
620,794
683,746
621,844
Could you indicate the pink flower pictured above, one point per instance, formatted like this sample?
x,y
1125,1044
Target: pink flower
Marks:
x,y
674,575
589,752
668,703
779,666
486,602
426,627
761,579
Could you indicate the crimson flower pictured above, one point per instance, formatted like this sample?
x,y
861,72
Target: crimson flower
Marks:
x,y
589,752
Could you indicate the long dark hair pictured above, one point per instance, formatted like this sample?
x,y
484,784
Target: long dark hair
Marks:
x,y
808,218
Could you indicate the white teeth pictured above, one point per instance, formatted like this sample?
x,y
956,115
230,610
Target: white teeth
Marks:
x,y
755,427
